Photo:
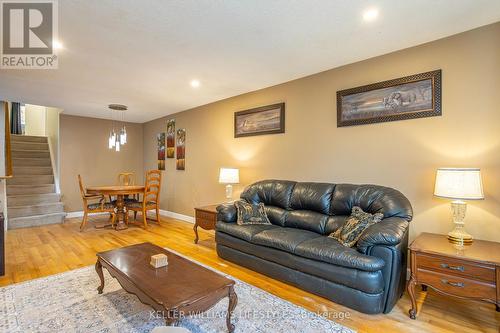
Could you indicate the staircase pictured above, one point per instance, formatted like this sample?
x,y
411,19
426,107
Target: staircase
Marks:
x,y
31,194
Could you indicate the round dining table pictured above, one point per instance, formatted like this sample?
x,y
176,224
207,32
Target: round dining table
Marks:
x,y
118,191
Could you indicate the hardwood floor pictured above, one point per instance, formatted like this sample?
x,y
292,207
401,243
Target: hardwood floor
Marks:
x,y
42,251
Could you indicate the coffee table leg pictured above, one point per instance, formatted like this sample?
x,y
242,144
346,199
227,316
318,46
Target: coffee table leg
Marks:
x,y
98,269
233,300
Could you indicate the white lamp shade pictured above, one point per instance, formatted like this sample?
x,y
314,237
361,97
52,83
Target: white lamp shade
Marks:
x,y
229,176
459,183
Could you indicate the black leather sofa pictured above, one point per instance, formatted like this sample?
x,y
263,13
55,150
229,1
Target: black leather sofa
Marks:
x,y
369,277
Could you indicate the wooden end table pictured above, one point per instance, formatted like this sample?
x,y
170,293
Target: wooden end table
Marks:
x,y
467,271
177,290
205,217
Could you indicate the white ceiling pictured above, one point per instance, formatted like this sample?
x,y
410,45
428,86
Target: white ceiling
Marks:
x,y
145,53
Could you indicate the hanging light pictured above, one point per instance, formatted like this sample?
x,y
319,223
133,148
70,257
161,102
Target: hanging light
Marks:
x,y
111,143
117,143
115,139
123,135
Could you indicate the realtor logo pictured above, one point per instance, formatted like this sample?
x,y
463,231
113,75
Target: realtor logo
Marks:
x,y
28,32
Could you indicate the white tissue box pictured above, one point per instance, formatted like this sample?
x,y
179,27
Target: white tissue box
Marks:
x,y
159,260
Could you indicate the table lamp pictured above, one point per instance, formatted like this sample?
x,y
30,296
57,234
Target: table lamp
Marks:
x,y
229,176
459,184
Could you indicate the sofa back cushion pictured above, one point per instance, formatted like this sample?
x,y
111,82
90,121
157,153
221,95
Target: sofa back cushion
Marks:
x,y
316,197
270,192
323,207
371,199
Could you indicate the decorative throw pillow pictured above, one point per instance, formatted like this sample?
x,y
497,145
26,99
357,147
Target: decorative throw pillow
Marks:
x,y
251,214
351,231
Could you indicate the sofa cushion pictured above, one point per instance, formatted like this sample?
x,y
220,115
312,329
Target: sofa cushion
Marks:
x,y
312,196
372,199
334,222
307,220
329,250
369,282
245,232
269,192
285,239
276,215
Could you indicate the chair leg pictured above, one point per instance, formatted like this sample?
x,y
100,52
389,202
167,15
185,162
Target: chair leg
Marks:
x,y
113,219
144,221
158,214
84,221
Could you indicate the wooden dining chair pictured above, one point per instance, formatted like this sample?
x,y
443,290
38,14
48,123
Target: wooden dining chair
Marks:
x,y
150,197
126,178
97,207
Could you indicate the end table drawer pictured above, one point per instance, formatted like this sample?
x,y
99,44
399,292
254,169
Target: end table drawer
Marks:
x,y
206,215
458,286
457,267
206,224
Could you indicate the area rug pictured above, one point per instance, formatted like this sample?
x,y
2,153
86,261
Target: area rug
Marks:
x,y
69,302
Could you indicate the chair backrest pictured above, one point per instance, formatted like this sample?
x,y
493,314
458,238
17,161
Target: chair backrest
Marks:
x,y
126,178
152,186
82,188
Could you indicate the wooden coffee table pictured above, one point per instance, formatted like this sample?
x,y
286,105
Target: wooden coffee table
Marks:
x,y
180,289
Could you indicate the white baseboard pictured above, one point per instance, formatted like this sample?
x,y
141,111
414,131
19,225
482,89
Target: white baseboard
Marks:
x,y
177,216
166,213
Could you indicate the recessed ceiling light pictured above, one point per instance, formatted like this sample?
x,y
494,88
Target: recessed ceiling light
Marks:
x,y
195,83
57,45
370,14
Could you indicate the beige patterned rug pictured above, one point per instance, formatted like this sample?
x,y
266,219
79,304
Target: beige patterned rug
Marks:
x,y
69,302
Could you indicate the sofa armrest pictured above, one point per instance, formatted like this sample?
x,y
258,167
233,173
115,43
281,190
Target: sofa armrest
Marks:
x,y
389,232
227,212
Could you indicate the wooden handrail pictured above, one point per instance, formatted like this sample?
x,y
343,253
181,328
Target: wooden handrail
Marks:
x,y
8,150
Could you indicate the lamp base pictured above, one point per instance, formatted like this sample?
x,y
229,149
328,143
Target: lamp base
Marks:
x,y
459,241
459,235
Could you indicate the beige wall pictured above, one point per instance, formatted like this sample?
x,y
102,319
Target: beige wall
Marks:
x,y
84,150
52,133
402,154
35,117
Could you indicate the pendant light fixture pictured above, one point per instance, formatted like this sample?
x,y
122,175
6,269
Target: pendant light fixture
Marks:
x,y
117,138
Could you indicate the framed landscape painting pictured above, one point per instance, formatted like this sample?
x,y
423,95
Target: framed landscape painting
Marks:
x,y
160,142
263,120
170,138
414,96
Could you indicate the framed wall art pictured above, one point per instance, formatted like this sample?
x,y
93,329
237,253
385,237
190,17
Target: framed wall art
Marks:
x,y
414,96
181,149
263,120
160,142
170,138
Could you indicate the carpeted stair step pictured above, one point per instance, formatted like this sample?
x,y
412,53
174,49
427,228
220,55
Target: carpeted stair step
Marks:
x,y
36,220
30,189
19,145
23,153
26,161
28,138
32,170
32,199
39,209
27,180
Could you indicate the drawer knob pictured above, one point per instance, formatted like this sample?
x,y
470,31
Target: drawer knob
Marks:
x,y
454,284
454,268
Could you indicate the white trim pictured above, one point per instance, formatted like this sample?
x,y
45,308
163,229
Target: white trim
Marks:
x,y
182,217
166,213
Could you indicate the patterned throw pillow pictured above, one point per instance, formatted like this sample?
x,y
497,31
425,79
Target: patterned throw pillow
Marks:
x,y
251,214
351,231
